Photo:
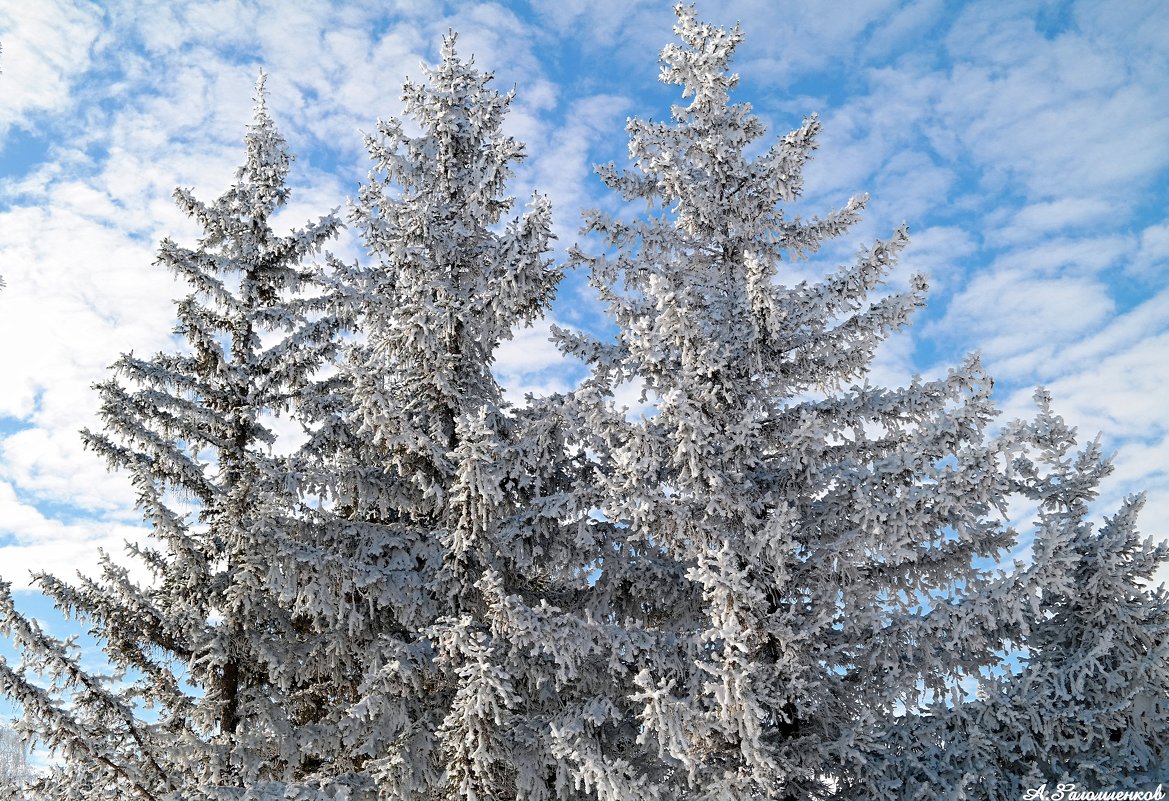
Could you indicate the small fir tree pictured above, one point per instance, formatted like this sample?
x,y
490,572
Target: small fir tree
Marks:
x,y
1079,697
208,664
1090,704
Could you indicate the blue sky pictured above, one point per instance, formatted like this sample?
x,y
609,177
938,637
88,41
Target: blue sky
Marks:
x,y
1026,144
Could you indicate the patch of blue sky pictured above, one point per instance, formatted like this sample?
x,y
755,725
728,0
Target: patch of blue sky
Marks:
x,y
1054,18
35,606
11,425
85,647
20,151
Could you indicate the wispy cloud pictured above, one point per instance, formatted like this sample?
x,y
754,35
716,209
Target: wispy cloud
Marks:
x,y
47,46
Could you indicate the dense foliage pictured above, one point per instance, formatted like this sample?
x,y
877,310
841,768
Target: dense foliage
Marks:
x,y
776,581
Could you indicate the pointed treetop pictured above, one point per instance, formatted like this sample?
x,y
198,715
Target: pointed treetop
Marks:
x,y
448,46
462,117
700,65
268,159
260,98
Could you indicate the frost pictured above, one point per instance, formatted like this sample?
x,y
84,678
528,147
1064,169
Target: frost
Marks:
x,y
775,581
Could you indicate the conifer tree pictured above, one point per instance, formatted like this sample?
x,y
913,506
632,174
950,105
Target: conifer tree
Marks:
x,y
809,543
207,663
440,498
1091,702
1079,698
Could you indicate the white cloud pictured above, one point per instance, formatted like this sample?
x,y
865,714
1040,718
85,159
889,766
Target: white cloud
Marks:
x,y
1139,28
1041,219
31,542
794,38
938,253
1153,253
563,165
1122,393
898,33
893,365
611,25
51,465
914,184
1063,256
530,362
1052,117
47,45
1019,321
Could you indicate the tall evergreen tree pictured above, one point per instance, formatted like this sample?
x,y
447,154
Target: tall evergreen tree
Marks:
x,y
207,662
810,544
440,498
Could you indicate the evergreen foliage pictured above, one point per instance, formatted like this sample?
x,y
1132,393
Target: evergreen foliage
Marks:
x,y
438,497
207,662
817,541
777,581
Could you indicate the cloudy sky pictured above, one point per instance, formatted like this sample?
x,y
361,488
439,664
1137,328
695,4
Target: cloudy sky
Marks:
x,y
1026,144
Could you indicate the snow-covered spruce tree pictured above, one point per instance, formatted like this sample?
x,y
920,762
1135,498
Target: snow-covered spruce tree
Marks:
x,y
1087,704
1090,704
448,500
829,531
206,697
